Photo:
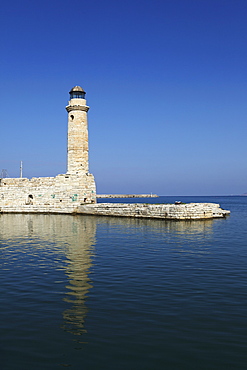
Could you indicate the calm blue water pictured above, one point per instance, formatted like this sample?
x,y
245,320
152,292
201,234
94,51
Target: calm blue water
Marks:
x,y
89,292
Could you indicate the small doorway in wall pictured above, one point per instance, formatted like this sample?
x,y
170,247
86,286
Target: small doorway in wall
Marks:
x,y
30,199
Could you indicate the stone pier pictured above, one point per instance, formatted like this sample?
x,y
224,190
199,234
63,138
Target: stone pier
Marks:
x,y
190,211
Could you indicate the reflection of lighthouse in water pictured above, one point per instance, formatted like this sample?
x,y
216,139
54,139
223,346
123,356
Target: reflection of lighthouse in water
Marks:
x,y
66,241
79,253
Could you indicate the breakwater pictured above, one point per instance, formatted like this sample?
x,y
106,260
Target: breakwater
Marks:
x,y
190,211
126,196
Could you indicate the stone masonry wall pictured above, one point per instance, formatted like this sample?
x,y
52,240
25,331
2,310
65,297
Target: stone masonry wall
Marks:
x,y
60,194
190,211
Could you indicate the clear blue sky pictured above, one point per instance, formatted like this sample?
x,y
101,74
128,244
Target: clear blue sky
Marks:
x,y
166,81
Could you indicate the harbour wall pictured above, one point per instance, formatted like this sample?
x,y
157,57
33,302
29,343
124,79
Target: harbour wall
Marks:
x,y
190,211
62,193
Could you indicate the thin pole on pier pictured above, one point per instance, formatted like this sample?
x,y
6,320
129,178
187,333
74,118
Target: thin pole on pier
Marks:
x,y
21,170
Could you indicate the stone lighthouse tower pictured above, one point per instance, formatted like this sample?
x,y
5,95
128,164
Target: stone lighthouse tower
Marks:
x,y
77,159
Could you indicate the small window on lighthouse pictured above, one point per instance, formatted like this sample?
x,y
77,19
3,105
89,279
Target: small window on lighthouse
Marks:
x,y
72,117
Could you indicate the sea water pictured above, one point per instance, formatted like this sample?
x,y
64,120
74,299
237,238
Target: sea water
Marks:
x,y
88,292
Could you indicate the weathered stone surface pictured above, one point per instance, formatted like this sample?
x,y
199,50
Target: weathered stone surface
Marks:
x,y
77,160
62,193
190,211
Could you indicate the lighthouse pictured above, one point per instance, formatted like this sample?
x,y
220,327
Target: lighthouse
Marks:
x,y
64,193
77,147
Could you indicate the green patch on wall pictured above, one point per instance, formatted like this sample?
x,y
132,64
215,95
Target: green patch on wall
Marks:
x,y
74,197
